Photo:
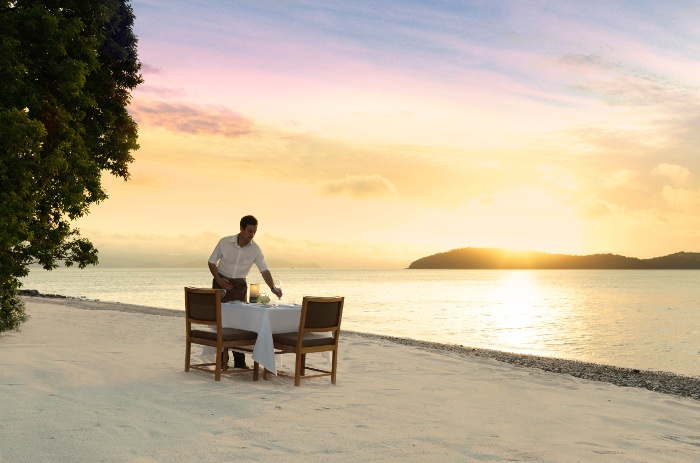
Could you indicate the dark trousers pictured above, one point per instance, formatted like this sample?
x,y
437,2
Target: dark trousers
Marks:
x,y
238,293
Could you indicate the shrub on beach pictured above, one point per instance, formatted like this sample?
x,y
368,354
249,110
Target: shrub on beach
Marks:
x,y
12,311
67,70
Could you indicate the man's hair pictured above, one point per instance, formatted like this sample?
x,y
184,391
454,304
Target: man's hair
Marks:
x,y
248,220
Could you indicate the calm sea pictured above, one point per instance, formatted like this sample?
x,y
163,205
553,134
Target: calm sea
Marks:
x,y
648,319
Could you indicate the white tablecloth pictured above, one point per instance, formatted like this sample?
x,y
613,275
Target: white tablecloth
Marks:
x,y
265,320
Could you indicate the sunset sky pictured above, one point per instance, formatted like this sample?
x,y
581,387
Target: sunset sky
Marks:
x,y
370,134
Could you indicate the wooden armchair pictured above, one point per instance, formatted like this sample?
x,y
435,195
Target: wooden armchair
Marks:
x,y
319,331
203,307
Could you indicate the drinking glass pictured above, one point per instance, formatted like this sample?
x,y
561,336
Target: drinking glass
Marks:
x,y
278,285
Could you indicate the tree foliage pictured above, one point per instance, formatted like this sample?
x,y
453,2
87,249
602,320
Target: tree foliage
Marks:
x,y
67,68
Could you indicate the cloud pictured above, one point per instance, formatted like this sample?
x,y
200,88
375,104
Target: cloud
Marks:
x,y
360,186
137,249
191,119
160,91
621,83
678,175
593,208
618,79
686,200
148,69
585,62
622,177
620,141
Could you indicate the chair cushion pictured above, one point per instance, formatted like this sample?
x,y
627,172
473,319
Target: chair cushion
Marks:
x,y
310,339
229,334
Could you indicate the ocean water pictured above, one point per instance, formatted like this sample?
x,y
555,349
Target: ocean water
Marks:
x,y
648,319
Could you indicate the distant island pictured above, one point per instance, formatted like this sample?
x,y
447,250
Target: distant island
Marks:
x,y
494,258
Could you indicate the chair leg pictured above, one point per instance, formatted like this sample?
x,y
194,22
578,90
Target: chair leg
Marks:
x,y
255,371
188,347
303,364
297,370
217,371
334,367
265,372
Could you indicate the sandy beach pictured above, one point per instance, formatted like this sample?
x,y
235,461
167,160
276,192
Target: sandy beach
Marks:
x,y
89,381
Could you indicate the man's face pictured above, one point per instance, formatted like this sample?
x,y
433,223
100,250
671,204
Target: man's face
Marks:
x,y
247,234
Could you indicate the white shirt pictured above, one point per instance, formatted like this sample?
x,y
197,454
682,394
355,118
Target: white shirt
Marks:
x,y
233,261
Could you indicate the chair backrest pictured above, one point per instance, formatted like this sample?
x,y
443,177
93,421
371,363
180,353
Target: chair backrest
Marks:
x,y
321,313
202,305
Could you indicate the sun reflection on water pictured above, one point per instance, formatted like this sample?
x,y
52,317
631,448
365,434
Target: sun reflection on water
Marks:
x,y
517,315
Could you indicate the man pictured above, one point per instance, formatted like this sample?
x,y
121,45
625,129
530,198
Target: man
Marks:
x,y
230,263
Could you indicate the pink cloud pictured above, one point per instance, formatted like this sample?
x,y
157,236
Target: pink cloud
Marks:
x,y
192,119
148,69
160,90
360,186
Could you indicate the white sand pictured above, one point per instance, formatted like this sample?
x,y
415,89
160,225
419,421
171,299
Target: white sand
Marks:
x,y
81,385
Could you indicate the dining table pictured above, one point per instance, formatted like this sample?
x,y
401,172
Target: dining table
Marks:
x,y
264,319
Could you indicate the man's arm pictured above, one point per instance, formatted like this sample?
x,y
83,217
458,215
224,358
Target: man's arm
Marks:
x,y
215,273
267,276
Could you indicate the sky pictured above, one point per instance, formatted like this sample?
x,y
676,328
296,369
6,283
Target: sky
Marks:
x,y
370,134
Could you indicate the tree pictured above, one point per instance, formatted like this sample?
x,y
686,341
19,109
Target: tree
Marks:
x,y
67,68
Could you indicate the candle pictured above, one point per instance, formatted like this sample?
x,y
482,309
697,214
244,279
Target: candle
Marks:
x,y
254,292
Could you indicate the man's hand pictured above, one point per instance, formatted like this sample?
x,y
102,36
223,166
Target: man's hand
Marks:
x,y
223,282
277,292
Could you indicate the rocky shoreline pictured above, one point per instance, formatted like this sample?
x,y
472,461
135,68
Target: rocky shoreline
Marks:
x,y
35,293
657,381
